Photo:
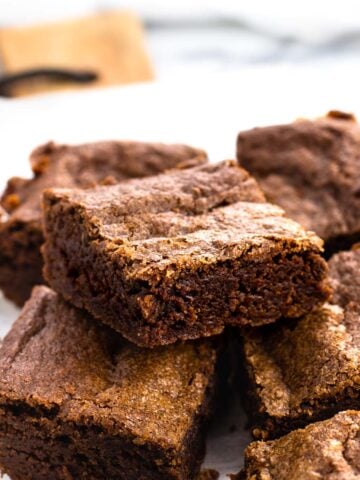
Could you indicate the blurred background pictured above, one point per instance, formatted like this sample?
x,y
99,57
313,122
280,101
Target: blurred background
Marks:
x,y
189,38
186,71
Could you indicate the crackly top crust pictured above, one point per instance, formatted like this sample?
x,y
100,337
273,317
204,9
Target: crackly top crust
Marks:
x,y
344,269
186,218
328,449
311,169
297,367
86,165
56,358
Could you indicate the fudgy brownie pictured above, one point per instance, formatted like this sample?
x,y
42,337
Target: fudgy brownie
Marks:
x,y
78,401
180,255
69,166
324,450
309,370
312,170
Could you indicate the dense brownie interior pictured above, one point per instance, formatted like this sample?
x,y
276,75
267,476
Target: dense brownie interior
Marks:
x,y
181,255
80,166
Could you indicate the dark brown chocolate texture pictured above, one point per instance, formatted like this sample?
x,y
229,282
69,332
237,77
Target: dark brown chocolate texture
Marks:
x,y
327,450
78,401
312,170
180,255
307,371
80,166
208,474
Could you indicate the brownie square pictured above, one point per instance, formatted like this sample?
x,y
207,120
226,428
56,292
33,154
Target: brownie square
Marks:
x,y
80,166
78,401
180,255
324,450
305,371
312,170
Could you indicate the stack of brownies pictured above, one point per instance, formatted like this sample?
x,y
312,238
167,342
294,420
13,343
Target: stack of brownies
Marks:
x,y
112,371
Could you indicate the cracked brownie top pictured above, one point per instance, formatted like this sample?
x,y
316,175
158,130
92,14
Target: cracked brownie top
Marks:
x,y
194,218
56,360
181,254
87,165
328,449
301,367
312,170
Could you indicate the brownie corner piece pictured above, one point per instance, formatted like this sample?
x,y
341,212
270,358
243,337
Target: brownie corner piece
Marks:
x,y
329,449
181,255
79,166
78,401
310,168
299,372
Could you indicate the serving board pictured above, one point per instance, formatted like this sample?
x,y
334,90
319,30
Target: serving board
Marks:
x,y
111,44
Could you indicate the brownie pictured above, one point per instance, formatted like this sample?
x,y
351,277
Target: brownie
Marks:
x,y
69,166
312,170
324,450
78,401
305,371
180,255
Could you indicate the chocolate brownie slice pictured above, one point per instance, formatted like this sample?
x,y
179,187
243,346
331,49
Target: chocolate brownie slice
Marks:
x,y
325,450
309,370
180,255
69,166
312,170
78,401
